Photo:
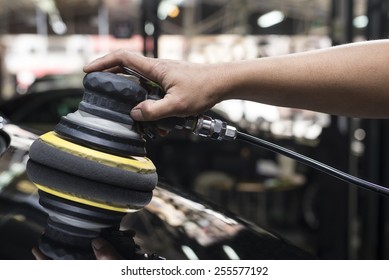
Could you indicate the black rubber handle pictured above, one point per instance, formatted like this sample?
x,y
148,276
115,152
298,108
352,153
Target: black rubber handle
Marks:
x,y
111,96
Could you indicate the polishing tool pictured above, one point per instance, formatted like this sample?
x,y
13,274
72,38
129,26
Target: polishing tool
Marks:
x,y
92,169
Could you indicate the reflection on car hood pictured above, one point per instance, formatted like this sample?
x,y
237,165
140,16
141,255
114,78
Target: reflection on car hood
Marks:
x,y
180,225
175,225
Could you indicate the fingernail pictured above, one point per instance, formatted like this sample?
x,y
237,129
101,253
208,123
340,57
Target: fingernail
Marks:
x,y
137,114
98,243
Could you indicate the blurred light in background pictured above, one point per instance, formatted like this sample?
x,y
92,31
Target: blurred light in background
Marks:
x,y
230,253
361,21
58,26
190,254
149,28
55,19
169,8
270,19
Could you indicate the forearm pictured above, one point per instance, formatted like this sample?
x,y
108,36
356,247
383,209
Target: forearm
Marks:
x,y
348,80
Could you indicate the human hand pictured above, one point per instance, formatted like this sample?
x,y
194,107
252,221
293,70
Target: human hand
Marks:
x,y
104,250
38,254
190,88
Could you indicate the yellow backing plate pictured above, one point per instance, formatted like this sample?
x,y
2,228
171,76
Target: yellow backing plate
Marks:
x,y
141,165
86,201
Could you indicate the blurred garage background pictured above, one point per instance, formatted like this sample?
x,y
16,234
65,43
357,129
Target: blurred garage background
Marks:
x,y
45,43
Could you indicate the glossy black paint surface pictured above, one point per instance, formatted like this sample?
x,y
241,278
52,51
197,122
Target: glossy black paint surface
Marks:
x,y
175,225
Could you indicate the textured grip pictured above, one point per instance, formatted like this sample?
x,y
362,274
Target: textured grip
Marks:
x,y
111,96
115,86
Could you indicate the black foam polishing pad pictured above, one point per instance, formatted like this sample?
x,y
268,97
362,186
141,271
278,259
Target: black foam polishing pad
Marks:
x,y
117,179
84,191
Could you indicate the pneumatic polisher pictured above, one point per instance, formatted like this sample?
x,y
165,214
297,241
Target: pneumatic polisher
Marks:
x,y
92,170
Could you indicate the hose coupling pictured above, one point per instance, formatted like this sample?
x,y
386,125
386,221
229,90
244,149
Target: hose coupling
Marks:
x,y
214,128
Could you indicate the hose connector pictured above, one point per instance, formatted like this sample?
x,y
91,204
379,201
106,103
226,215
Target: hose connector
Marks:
x,y
214,129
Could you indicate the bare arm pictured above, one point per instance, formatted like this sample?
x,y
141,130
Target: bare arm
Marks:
x,y
349,80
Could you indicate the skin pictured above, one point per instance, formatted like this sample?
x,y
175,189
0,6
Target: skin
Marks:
x,y
349,80
104,250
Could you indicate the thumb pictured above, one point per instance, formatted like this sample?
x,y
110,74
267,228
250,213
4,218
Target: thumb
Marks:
x,y
104,250
151,110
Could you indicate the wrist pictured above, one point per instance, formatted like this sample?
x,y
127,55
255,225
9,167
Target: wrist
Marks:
x,y
225,81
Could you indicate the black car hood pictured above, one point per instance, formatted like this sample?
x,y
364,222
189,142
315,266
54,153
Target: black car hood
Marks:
x,y
176,224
